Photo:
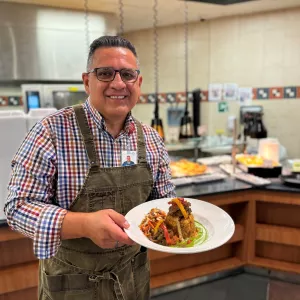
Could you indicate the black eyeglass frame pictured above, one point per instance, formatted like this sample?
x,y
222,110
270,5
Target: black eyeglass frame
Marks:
x,y
115,72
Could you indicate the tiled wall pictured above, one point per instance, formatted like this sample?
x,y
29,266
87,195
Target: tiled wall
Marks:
x,y
10,97
260,51
262,93
10,101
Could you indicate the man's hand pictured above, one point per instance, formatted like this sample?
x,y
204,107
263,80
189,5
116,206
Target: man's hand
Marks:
x,y
104,228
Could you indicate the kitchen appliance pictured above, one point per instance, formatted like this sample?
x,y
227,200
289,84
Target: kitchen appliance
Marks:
x,y
47,44
52,95
13,130
251,120
257,129
37,114
266,163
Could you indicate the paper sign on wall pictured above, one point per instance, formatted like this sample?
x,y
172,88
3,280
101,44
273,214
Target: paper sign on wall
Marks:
x,y
245,95
230,91
215,92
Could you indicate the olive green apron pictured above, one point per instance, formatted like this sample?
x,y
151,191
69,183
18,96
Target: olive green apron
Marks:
x,y
81,270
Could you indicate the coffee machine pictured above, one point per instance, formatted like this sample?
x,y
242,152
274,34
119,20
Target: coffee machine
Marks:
x,y
189,125
251,119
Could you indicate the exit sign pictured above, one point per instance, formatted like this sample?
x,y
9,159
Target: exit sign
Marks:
x,y
222,107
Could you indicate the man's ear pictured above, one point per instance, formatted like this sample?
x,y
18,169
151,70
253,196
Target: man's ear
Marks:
x,y
140,81
86,82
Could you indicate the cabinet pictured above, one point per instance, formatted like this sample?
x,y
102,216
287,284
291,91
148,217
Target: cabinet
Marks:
x,y
267,234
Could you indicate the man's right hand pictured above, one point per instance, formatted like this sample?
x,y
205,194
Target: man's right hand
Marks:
x,y
104,227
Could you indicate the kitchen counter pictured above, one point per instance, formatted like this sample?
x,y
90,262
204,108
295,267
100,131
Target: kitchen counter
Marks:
x,y
267,234
219,187
278,186
212,188
229,185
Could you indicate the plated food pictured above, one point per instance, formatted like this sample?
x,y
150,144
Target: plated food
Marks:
x,y
213,225
184,167
176,228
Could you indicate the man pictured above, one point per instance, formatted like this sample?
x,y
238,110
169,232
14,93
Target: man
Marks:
x,y
128,161
69,192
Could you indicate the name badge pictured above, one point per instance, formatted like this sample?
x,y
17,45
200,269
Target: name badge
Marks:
x,y
128,158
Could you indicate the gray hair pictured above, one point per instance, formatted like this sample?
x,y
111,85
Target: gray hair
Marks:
x,y
108,42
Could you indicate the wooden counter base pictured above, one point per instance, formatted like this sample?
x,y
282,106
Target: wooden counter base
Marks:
x,y
267,235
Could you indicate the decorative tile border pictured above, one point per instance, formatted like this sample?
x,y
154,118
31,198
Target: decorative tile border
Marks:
x,y
260,93
180,97
298,92
204,95
162,98
276,93
151,98
10,101
171,97
290,92
143,99
254,93
3,101
14,101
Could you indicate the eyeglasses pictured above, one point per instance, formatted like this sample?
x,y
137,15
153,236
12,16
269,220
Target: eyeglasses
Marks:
x,y
107,74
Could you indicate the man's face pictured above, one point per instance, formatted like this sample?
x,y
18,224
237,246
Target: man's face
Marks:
x,y
128,158
114,99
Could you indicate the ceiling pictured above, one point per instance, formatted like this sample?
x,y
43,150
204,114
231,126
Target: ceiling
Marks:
x,y
138,13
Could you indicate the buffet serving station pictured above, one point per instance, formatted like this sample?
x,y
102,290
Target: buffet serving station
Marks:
x,y
267,235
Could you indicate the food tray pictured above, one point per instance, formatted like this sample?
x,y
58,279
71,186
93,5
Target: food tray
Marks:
x,y
258,166
291,180
186,168
263,172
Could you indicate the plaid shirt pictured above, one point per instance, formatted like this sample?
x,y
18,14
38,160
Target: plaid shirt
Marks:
x,y
50,167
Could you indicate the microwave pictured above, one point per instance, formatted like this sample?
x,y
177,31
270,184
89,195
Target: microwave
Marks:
x,y
52,95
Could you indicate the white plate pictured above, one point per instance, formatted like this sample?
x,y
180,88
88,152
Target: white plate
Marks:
x,y
218,223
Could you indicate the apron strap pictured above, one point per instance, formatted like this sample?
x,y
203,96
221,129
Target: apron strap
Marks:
x,y
141,146
88,139
110,276
86,134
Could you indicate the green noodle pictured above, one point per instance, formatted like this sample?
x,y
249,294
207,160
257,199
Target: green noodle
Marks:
x,y
199,239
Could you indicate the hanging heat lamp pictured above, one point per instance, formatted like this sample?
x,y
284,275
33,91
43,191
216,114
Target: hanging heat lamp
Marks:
x,y
186,124
156,122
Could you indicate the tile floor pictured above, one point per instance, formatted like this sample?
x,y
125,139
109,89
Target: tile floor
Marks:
x,y
239,287
279,290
